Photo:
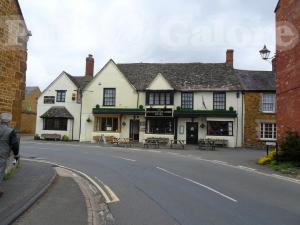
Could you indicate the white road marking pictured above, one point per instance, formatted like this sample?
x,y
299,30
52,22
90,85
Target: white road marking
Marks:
x,y
246,168
127,159
286,178
220,162
107,200
111,193
199,184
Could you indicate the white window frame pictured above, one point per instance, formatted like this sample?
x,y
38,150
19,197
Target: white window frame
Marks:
x,y
268,100
263,131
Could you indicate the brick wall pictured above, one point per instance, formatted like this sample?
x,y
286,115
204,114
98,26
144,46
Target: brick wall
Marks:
x,y
253,118
13,58
288,66
29,109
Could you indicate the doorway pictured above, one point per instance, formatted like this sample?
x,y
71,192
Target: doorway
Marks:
x,y
134,130
192,133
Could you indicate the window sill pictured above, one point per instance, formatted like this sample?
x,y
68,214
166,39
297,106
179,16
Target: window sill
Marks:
x,y
268,139
266,112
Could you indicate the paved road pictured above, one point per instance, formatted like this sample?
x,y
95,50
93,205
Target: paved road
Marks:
x,y
155,187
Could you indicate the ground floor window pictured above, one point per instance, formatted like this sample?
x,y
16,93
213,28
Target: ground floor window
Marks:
x,y
107,124
160,126
56,124
219,128
268,131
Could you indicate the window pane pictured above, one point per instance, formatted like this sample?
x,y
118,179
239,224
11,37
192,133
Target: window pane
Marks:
x,y
219,100
162,98
219,128
268,103
187,100
109,97
151,99
160,126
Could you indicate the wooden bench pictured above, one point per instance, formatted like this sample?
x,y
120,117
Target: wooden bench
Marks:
x,y
206,144
221,142
151,142
54,137
127,142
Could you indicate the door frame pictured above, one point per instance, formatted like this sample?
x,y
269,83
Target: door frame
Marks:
x,y
131,129
188,125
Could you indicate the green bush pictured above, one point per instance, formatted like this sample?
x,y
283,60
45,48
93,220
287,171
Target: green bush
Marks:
x,y
141,107
65,138
290,147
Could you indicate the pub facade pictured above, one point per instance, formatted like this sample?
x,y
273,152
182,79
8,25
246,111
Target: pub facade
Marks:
x,y
185,101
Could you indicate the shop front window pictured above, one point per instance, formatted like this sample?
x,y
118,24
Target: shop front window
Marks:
x,y
107,124
219,128
160,126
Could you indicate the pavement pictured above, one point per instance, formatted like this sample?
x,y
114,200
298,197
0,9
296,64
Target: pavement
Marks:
x,y
181,187
43,193
29,182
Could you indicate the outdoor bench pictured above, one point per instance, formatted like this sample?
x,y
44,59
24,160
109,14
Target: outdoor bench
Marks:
x,y
207,145
54,137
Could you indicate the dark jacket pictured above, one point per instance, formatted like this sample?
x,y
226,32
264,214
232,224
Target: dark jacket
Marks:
x,y
8,142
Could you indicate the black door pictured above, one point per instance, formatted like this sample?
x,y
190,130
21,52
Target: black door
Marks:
x,y
192,133
134,130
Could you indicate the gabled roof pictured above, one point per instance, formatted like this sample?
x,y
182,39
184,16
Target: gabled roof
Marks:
x,y
80,81
183,76
57,112
256,80
29,90
277,6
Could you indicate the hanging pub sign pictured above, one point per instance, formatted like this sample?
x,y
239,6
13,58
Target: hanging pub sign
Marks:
x,y
159,112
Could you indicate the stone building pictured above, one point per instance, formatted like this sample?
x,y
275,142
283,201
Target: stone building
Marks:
x,y
288,66
259,111
13,57
29,110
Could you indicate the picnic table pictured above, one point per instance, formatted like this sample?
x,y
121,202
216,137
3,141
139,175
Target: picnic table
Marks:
x,y
127,142
176,142
207,144
151,142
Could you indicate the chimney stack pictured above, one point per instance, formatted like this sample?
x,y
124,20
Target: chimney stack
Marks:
x,y
89,69
229,57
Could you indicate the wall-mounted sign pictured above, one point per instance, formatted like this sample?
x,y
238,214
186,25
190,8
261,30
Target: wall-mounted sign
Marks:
x,y
159,112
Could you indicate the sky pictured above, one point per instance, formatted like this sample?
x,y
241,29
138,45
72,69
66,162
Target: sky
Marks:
x,y
64,32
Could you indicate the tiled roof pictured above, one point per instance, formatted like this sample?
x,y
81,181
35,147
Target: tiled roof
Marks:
x,y
57,112
256,80
80,81
183,76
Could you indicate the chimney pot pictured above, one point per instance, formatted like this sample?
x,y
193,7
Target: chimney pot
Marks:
x,y
89,69
229,57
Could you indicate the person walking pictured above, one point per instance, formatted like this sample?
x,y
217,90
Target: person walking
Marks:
x,y
8,142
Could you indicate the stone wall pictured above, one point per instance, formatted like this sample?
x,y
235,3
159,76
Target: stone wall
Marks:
x,y
28,122
13,58
288,66
253,118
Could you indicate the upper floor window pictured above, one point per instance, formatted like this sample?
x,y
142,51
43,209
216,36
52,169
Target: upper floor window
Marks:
x,y
61,96
109,97
268,131
49,100
159,98
268,103
187,100
220,100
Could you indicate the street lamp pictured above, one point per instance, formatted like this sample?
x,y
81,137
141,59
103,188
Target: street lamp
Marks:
x,y
265,53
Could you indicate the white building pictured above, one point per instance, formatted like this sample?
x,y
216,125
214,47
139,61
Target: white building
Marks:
x,y
186,101
173,101
59,106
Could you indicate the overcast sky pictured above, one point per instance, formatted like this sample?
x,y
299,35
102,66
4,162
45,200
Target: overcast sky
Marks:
x,y
66,31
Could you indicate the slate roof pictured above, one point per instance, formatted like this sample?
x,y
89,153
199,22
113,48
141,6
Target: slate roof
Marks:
x,y
183,76
57,112
29,90
79,81
256,80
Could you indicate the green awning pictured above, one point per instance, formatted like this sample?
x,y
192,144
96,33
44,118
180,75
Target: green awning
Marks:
x,y
184,113
119,111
